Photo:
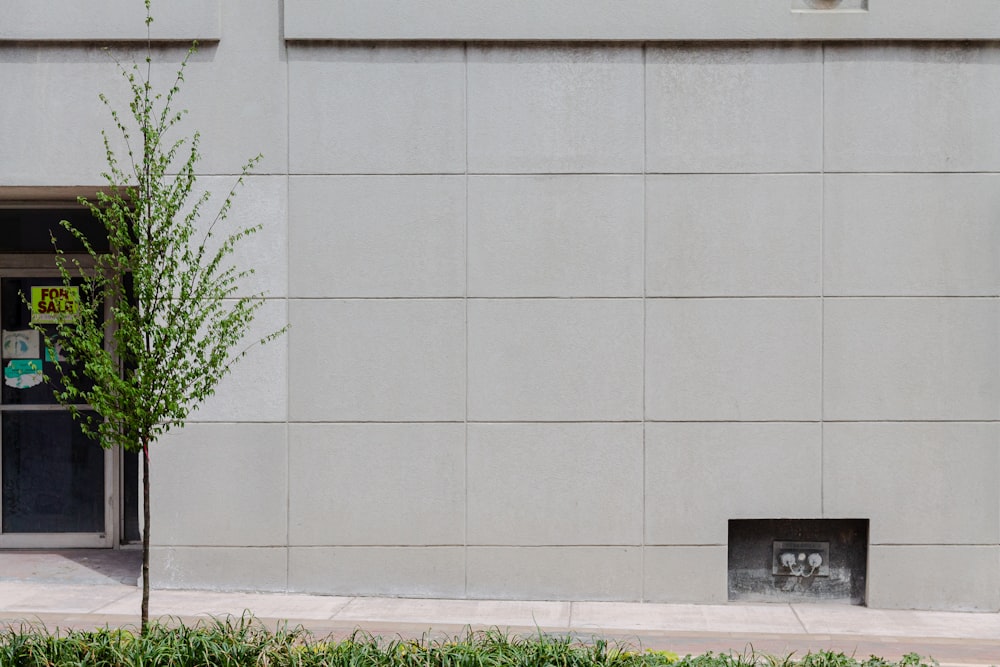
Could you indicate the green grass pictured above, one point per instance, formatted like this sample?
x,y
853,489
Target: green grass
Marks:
x,y
245,642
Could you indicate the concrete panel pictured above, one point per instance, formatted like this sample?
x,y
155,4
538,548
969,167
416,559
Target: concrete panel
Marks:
x,y
540,109
689,619
30,597
405,571
872,470
685,574
220,484
263,605
361,109
733,359
219,568
946,124
371,484
555,484
236,91
262,200
109,20
376,360
555,573
45,140
761,238
921,359
555,359
635,20
911,234
434,613
758,471
555,236
952,578
256,388
734,108
849,619
375,236
48,141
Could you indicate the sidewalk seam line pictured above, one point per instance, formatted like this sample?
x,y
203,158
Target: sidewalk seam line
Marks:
x,y
337,612
798,618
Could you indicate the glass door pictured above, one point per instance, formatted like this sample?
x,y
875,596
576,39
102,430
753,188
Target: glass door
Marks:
x,y
58,485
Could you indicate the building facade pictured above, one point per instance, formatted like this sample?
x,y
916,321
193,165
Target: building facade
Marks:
x,y
605,300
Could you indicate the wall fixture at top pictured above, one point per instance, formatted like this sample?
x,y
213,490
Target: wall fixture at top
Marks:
x,y
829,5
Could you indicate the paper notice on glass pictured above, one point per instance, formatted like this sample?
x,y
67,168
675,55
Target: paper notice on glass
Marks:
x,y
20,344
23,373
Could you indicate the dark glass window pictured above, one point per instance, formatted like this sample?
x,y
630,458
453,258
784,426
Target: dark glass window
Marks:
x,y
15,316
28,230
53,475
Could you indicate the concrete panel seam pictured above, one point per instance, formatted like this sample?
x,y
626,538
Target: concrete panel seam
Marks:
x,y
645,250
465,534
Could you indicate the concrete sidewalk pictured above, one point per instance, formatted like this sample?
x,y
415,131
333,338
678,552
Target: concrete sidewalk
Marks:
x,y
950,637
93,588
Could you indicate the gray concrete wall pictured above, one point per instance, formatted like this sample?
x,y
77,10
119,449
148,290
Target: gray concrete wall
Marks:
x,y
561,310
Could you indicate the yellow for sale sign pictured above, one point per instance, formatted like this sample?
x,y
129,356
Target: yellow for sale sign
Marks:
x,y
54,304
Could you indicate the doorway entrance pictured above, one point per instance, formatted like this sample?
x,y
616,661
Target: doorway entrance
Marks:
x,y
58,487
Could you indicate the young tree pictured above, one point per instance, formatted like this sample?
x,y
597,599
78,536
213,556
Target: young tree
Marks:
x,y
177,320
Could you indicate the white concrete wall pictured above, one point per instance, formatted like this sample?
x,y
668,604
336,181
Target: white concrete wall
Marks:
x,y
639,20
560,311
108,21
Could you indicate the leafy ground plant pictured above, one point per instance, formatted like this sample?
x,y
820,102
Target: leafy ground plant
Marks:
x,y
245,642
751,658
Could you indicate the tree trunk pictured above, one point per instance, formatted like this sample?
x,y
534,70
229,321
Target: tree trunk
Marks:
x,y
145,538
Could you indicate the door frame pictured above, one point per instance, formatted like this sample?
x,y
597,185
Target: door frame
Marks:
x,y
42,265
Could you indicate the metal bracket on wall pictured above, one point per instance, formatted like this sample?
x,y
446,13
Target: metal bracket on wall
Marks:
x,y
829,5
801,559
